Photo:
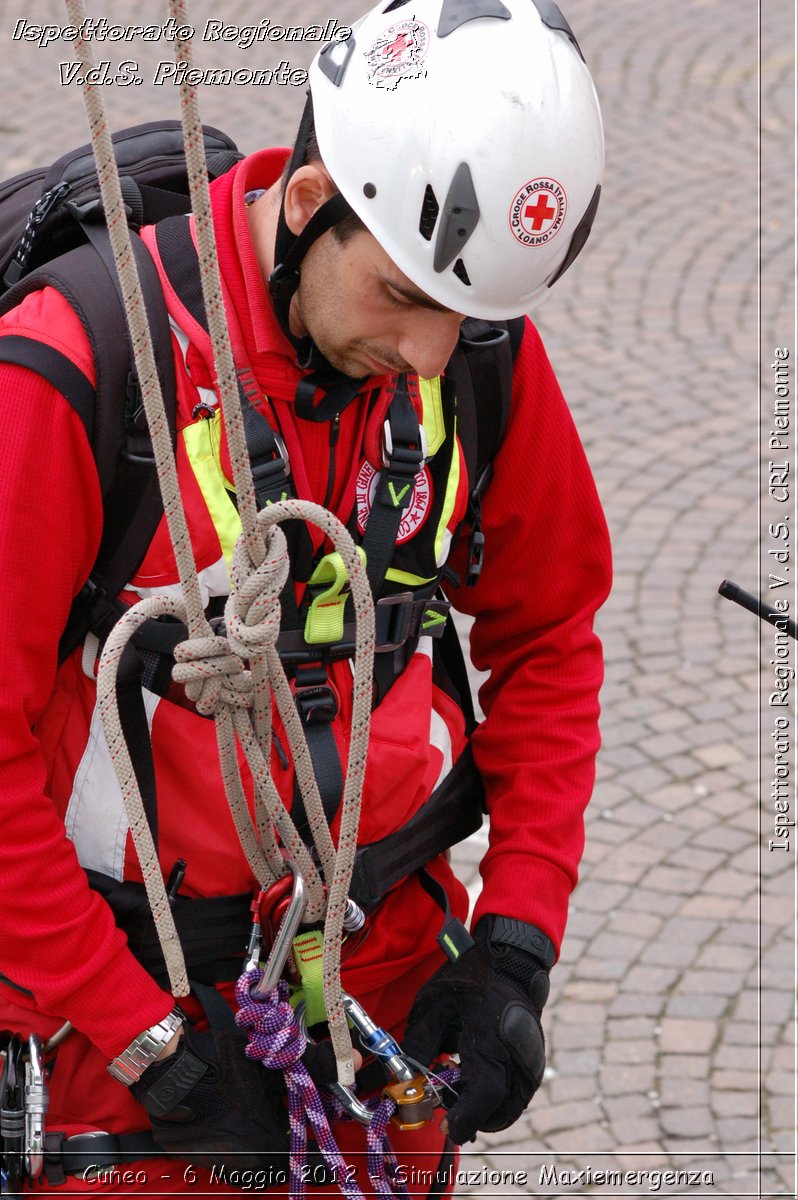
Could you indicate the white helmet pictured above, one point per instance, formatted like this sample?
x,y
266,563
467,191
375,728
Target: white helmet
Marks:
x,y
466,135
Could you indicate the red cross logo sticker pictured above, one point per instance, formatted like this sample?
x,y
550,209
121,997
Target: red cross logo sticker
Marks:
x,y
537,212
398,53
399,46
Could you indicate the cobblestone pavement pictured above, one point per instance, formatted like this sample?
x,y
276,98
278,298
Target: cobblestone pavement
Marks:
x,y
671,1024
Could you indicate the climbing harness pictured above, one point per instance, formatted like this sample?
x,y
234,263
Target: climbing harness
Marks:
x,y
232,674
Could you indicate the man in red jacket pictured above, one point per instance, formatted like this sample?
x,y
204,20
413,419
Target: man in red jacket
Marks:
x,y
449,164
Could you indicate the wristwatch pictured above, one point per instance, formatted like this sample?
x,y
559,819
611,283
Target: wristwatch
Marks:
x,y
129,1066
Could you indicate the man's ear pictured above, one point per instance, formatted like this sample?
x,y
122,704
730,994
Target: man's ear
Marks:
x,y
307,189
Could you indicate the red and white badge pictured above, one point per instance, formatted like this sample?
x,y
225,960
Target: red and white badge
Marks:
x,y
398,53
415,514
537,212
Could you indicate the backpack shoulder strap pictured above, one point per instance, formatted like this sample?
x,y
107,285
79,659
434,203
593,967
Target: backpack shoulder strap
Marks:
x,y
487,352
111,412
482,367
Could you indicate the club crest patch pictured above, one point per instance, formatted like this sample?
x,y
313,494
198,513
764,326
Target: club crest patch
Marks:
x,y
398,53
537,212
416,512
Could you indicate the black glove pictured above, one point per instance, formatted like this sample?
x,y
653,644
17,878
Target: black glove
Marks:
x,y
486,1007
208,1102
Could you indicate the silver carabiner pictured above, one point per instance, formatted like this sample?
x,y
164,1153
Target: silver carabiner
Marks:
x,y
36,1103
289,927
344,1095
347,1098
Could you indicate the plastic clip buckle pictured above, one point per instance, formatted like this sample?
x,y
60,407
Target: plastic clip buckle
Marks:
x,y
398,623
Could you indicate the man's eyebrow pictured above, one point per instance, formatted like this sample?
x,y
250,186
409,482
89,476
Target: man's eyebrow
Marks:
x,y
416,297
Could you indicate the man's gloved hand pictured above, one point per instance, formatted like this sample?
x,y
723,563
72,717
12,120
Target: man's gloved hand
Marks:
x,y
486,1007
210,1103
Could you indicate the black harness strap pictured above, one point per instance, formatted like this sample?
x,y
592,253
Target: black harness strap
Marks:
x,y
213,930
122,450
136,730
444,1170
452,813
57,369
81,1152
318,707
394,492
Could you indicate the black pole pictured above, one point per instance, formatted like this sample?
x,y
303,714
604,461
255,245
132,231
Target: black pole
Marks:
x,y
733,591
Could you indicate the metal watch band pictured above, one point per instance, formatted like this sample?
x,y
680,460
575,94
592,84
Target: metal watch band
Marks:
x,y
129,1066
508,931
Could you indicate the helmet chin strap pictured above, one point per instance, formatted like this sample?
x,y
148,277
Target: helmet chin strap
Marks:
x,y
289,251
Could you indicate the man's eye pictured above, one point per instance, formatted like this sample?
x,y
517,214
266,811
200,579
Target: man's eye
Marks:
x,y
397,300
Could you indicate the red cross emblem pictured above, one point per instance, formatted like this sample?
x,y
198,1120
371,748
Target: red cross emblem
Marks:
x,y
398,53
540,212
400,45
537,212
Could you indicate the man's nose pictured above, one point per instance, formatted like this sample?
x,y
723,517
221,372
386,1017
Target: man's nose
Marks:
x,y
427,344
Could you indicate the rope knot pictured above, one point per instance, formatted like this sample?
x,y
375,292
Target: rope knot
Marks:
x,y
252,613
275,1038
213,676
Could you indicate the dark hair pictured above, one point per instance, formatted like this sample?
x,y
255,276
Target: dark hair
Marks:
x,y
351,224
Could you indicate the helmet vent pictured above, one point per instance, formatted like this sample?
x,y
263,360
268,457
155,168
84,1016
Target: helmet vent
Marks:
x,y
461,273
394,5
552,18
429,214
335,58
455,13
459,219
580,235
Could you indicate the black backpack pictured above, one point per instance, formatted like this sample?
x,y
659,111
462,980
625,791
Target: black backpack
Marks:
x,y
53,234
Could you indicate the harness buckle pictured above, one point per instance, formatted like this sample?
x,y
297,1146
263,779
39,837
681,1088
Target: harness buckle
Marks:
x,y
396,621
267,471
399,457
317,702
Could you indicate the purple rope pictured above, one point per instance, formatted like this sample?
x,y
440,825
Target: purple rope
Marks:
x,y
276,1040
382,1165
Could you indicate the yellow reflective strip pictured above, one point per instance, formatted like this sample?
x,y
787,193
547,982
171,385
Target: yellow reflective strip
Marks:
x,y
449,500
202,448
406,577
432,416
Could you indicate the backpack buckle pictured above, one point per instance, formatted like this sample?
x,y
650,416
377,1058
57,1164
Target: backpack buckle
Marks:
x,y
476,557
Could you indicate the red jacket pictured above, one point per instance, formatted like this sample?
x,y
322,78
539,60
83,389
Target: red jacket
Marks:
x,y
546,571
